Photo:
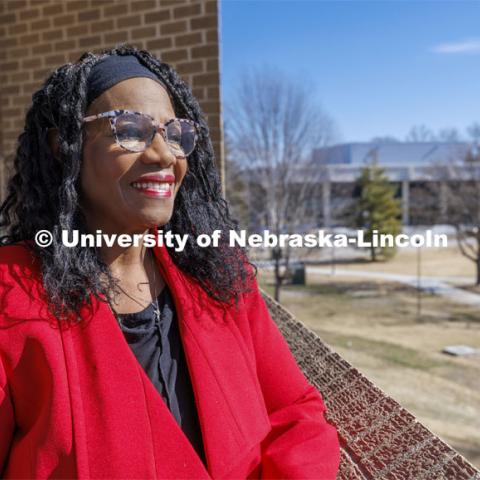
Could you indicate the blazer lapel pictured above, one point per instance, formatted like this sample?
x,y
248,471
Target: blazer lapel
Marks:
x,y
121,407
229,401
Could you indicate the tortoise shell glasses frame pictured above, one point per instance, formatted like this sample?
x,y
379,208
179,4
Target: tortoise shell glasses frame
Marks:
x,y
135,131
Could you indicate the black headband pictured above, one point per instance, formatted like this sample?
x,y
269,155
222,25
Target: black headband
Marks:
x,y
114,69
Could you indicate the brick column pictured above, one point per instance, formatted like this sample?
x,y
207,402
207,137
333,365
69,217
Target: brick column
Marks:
x,y
327,214
405,202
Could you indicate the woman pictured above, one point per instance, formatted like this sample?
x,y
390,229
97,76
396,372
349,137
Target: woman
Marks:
x,y
131,361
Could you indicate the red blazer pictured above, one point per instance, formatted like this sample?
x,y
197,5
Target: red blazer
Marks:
x,y
75,402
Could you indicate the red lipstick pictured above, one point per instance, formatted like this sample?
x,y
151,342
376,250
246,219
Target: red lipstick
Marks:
x,y
155,185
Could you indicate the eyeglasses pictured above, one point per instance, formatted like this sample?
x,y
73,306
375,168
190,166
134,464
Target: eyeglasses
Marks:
x,y
134,131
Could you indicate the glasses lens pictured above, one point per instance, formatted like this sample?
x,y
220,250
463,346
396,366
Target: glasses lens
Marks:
x,y
181,137
134,132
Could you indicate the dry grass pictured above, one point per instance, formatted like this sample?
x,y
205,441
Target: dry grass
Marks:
x,y
435,262
375,326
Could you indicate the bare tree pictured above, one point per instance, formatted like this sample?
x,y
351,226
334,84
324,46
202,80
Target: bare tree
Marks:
x,y
274,124
385,140
458,186
464,201
474,134
420,133
235,186
449,135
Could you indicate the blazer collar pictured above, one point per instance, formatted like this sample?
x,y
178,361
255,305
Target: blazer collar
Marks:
x,y
229,401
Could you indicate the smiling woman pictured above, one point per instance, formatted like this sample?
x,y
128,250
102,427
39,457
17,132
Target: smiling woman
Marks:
x,y
129,361
119,192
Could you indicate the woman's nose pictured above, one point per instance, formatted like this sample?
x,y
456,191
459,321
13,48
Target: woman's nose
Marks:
x,y
159,152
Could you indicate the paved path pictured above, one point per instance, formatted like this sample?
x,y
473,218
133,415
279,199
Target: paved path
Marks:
x,y
437,286
434,285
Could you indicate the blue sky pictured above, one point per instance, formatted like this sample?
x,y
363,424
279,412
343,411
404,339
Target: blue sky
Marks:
x,y
378,67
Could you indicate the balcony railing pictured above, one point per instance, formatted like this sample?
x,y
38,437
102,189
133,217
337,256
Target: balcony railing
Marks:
x,y
379,439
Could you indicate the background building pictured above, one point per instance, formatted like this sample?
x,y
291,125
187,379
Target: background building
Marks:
x,y
412,166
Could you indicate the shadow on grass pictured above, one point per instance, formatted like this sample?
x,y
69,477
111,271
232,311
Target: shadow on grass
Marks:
x,y
385,351
397,303
343,261
345,288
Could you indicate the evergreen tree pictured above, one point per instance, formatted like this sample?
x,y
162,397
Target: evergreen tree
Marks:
x,y
377,210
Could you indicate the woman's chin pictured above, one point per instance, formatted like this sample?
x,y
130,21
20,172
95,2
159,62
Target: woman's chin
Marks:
x,y
148,216
155,220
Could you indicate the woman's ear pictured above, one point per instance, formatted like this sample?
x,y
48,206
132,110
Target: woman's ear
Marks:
x,y
53,142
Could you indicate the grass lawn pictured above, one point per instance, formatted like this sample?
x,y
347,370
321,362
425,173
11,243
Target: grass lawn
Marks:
x,y
435,262
374,325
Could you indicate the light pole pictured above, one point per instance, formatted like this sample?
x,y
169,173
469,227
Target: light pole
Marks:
x,y
419,282
333,260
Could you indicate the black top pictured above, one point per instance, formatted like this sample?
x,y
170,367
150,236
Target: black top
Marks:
x,y
158,348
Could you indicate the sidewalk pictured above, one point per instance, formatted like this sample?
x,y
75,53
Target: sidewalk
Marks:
x,y
433,285
436,286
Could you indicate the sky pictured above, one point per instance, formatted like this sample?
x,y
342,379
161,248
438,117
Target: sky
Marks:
x,y
378,68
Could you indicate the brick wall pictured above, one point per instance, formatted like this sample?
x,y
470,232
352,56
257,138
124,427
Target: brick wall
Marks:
x,y
37,36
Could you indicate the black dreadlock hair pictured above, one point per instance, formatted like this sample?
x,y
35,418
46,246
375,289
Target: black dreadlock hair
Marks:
x,y
44,193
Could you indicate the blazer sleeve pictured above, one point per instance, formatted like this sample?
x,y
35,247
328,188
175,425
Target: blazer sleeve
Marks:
x,y
6,420
301,444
